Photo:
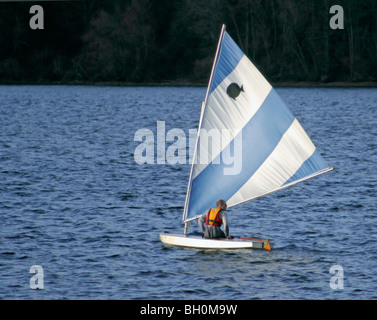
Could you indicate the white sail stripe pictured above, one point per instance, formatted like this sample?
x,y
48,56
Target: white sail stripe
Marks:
x,y
237,112
293,150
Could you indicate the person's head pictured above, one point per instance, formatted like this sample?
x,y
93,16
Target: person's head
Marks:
x,y
221,204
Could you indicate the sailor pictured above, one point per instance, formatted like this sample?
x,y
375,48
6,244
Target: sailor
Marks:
x,y
211,221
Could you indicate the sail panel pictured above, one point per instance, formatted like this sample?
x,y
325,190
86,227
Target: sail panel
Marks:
x,y
225,113
313,164
260,137
275,151
231,55
279,168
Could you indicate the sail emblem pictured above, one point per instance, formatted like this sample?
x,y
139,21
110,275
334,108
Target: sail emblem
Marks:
x,y
234,90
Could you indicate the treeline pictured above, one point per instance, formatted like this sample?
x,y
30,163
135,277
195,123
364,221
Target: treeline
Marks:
x,y
174,41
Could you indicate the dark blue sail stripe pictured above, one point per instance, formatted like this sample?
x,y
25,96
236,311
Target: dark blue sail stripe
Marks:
x,y
260,136
230,56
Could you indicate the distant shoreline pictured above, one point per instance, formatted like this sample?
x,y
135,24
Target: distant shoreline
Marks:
x,y
340,84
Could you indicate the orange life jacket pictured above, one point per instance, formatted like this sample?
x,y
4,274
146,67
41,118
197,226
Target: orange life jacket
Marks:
x,y
213,218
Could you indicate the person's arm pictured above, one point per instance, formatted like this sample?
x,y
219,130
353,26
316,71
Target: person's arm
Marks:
x,y
226,224
201,221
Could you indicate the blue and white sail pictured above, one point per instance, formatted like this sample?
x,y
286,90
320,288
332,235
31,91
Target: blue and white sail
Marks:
x,y
267,145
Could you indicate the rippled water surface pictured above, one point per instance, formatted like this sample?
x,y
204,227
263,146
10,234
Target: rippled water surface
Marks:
x,y
74,201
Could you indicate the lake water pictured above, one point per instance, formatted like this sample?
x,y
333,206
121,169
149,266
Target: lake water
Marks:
x,y
74,201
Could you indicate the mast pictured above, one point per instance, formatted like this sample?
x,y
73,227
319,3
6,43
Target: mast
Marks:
x,y
218,51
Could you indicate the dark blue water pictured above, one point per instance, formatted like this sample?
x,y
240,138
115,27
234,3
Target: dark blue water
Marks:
x,y
73,201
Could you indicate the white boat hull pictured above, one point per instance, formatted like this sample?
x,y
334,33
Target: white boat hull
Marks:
x,y
202,243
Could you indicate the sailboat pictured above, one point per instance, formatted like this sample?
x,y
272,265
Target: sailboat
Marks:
x,y
271,151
